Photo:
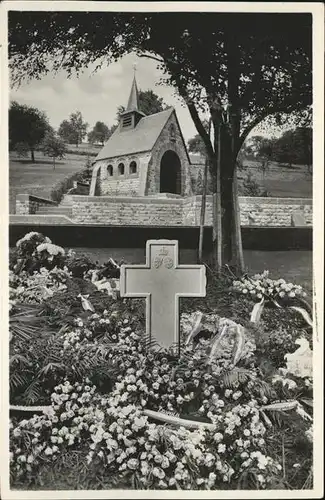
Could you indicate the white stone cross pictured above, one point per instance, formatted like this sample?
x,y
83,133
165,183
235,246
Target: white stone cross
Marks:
x,y
162,281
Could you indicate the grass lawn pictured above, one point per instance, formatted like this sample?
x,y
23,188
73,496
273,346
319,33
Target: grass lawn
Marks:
x,y
280,181
39,178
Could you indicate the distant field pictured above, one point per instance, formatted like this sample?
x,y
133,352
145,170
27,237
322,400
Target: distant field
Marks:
x,y
39,178
280,181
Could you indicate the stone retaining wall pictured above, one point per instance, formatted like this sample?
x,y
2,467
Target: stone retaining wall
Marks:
x,y
183,211
126,211
29,204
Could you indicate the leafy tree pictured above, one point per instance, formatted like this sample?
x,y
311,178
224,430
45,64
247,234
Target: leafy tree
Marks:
x,y
149,103
27,128
241,68
73,130
99,133
304,145
294,146
53,147
196,143
65,131
251,188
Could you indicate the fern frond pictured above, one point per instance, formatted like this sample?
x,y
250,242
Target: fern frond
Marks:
x,y
264,388
32,393
235,376
50,367
17,381
19,359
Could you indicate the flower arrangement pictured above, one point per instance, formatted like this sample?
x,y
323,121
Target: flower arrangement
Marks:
x,y
270,292
124,441
150,418
260,285
36,287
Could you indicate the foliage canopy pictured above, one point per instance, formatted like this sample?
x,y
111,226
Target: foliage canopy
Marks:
x,y
27,127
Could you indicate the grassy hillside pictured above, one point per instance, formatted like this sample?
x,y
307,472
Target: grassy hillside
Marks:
x,y
39,178
280,180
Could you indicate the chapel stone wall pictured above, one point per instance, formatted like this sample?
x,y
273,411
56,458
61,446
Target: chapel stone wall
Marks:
x,y
169,139
113,182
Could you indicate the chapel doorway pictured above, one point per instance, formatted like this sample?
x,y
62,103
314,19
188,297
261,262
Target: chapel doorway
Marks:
x,y
170,173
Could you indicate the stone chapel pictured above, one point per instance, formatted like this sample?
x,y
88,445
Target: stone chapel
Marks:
x,y
145,156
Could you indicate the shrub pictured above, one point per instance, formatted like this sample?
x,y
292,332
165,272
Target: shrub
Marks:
x,y
63,186
81,152
251,188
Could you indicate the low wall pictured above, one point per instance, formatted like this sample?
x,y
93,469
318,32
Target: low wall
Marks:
x,y
120,210
29,204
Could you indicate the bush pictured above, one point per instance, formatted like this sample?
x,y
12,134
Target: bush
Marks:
x,y
81,152
251,188
34,251
63,186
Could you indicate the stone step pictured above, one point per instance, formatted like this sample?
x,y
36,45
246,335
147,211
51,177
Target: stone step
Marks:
x,y
55,211
66,201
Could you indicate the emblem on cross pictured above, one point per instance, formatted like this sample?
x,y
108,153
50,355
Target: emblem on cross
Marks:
x,y
161,281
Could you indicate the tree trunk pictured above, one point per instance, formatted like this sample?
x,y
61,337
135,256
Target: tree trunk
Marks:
x,y
203,203
53,162
227,205
237,227
232,248
217,233
32,153
202,214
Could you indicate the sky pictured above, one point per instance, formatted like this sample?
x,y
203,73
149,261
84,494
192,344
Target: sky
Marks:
x,y
97,95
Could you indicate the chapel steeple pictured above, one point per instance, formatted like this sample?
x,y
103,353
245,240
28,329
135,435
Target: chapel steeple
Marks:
x,y
132,115
133,102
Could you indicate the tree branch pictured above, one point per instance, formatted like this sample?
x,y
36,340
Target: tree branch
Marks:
x,y
199,127
195,116
148,56
256,121
248,129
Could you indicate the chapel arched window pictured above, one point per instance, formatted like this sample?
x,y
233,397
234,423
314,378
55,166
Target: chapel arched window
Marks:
x,y
120,169
133,167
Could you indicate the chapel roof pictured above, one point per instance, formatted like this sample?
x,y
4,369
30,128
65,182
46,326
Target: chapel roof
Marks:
x,y
141,138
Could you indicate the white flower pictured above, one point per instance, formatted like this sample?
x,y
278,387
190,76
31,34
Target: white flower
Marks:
x,y
158,472
50,248
133,463
218,437
221,448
